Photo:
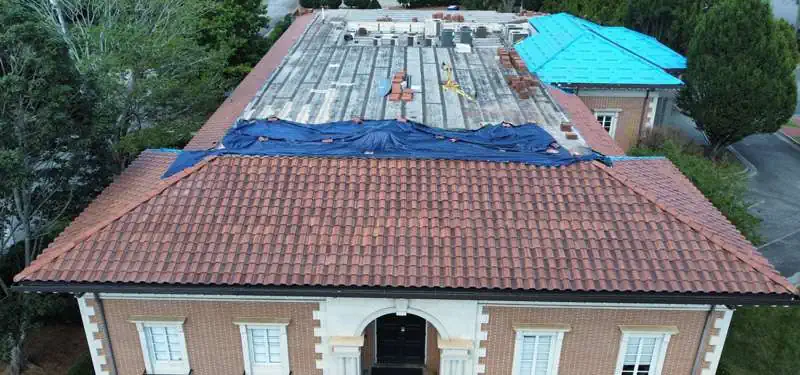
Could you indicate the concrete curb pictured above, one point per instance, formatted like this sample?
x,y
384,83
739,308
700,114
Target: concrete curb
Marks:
x,y
788,139
749,169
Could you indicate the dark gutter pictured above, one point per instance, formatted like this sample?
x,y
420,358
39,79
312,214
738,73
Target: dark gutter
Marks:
x,y
107,335
423,293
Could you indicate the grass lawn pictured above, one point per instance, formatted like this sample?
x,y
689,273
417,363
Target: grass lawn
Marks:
x,y
48,358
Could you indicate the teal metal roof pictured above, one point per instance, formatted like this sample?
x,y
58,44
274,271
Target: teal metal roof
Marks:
x,y
568,50
645,46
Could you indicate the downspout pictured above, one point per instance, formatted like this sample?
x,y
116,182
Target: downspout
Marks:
x,y
701,348
102,311
641,119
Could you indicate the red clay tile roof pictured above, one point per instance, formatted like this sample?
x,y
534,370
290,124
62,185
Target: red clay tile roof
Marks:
x,y
224,117
289,221
586,123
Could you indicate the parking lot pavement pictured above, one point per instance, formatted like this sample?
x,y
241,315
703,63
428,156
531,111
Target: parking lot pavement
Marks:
x,y
774,192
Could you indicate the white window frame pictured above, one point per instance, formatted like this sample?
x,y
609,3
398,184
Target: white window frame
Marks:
x,y
662,336
614,114
556,331
250,368
152,366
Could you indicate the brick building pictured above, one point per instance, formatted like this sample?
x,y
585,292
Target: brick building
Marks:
x,y
262,263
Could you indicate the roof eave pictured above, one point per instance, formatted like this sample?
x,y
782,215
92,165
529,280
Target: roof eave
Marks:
x,y
617,86
422,293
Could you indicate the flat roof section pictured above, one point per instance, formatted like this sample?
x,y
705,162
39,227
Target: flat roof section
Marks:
x,y
324,78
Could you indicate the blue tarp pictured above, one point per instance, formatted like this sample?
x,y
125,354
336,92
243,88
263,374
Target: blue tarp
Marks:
x,y
526,143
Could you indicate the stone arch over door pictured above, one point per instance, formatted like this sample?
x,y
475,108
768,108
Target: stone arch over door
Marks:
x,y
345,319
453,319
392,310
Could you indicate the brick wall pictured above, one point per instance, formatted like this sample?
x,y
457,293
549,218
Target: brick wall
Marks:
x,y
629,119
213,341
592,345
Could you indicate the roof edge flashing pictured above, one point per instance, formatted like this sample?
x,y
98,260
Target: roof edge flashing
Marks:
x,y
740,299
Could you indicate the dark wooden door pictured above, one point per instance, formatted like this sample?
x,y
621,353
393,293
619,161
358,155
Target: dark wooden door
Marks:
x,y
400,339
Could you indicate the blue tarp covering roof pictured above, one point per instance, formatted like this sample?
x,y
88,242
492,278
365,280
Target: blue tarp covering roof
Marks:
x,y
567,49
394,139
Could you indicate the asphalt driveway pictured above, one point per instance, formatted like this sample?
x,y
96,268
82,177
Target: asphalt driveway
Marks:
x,y
774,191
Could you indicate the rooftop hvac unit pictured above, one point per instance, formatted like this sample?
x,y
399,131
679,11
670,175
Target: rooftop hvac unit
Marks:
x,y
481,32
466,35
433,27
446,39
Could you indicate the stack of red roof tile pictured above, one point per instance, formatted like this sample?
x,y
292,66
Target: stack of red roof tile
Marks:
x,y
452,17
306,221
524,85
510,58
397,92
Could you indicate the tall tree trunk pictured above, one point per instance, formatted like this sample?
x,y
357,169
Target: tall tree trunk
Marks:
x,y
24,215
17,356
16,362
62,25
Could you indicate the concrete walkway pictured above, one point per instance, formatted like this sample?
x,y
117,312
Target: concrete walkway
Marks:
x,y
774,191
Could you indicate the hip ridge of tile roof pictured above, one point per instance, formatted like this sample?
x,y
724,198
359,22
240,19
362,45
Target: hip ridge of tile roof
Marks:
x,y
737,251
54,253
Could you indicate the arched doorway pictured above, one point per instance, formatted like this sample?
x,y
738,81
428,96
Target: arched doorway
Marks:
x,y
400,345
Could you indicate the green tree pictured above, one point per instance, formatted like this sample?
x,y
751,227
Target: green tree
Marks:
x,y
313,4
332,4
44,134
142,59
606,12
740,75
359,4
234,26
498,5
671,22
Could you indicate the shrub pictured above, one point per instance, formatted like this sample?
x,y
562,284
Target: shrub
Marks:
x,y
83,366
314,4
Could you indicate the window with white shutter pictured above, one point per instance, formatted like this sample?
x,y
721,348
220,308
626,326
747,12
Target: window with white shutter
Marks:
x,y
643,349
163,346
537,349
264,348
608,120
